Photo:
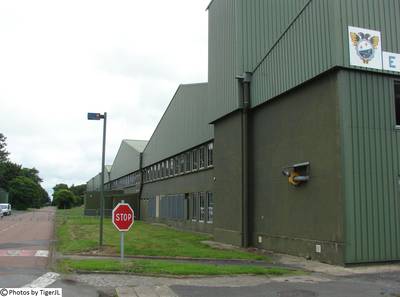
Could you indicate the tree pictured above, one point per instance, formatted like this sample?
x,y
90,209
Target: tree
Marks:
x,y
24,193
31,173
45,199
3,152
79,192
58,187
64,199
8,171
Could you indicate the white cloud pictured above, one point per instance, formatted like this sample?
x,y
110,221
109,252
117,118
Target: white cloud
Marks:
x,y
62,59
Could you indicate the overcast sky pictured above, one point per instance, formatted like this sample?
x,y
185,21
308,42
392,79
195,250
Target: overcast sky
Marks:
x,y
62,59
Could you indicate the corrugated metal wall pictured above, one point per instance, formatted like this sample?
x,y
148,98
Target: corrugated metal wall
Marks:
x,y
302,52
371,162
222,57
126,161
184,124
380,15
286,42
263,22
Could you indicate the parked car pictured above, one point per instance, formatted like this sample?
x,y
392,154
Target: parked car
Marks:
x,y
6,209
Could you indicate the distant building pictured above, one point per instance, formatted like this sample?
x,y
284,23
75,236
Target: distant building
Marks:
x,y
3,196
293,144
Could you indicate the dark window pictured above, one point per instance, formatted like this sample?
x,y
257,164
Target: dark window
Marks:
x,y
210,207
194,206
188,161
195,159
176,165
182,159
210,150
158,170
202,160
202,203
171,167
397,101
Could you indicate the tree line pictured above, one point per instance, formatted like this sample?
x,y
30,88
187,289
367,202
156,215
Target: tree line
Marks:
x,y
65,197
22,184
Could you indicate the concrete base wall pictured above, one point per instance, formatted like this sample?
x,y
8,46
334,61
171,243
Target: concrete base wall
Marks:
x,y
228,184
300,126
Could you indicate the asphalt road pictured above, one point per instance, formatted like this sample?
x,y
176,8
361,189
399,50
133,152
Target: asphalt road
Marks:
x,y
25,243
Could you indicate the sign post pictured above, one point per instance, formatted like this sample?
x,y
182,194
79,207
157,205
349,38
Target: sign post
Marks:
x,y
123,219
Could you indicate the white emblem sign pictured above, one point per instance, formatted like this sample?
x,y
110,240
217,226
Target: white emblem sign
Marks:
x,y
391,61
365,48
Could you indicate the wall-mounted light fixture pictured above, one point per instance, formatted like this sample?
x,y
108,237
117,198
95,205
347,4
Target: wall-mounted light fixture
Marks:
x,y
297,174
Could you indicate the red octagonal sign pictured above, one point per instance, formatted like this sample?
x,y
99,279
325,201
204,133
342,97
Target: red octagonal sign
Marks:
x,y
122,217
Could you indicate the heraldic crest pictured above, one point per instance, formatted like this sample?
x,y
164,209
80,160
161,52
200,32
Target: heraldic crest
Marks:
x,y
365,45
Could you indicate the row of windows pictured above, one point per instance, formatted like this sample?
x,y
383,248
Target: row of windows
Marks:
x,y
193,160
129,180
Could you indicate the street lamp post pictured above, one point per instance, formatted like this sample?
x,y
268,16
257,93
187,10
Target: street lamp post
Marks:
x,y
98,116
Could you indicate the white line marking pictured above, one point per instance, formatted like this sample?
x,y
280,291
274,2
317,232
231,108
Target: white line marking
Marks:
x,y
45,280
42,253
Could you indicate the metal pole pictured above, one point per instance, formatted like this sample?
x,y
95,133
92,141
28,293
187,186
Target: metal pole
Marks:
x,y
122,241
122,245
102,179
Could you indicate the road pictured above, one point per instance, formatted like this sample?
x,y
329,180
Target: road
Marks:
x,y
26,239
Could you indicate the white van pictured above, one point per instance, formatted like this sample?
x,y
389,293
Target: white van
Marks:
x,y
6,208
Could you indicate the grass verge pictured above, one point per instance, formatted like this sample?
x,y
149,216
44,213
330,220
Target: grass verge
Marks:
x,y
77,233
172,268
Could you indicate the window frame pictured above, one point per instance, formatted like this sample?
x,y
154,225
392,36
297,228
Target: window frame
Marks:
x,y
202,157
195,158
397,103
210,195
202,209
210,154
194,212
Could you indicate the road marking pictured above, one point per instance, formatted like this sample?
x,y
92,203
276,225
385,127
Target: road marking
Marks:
x,y
42,253
45,280
24,253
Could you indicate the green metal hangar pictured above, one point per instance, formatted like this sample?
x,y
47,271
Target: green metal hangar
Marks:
x,y
302,154
122,180
306,110
178,171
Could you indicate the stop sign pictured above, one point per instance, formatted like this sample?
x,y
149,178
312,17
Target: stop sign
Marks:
x,y
122,217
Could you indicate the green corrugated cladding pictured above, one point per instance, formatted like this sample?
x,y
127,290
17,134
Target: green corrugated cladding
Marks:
x,y
285,43
304,50
126,161
222,57
184,124
371,166
380,15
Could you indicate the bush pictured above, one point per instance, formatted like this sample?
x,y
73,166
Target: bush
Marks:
x,y
64,199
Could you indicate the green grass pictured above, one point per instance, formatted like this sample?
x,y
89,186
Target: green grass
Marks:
x,y
77,233
160,267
